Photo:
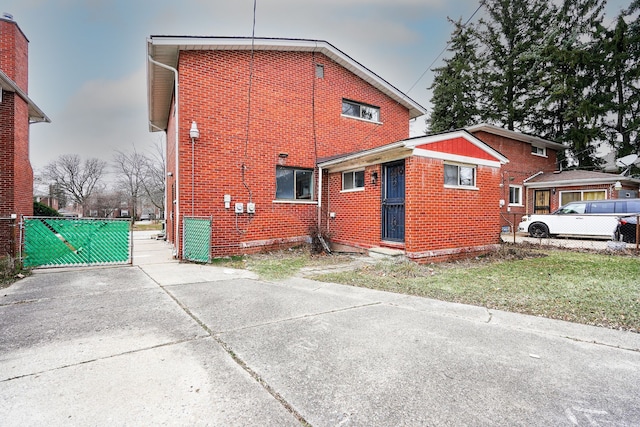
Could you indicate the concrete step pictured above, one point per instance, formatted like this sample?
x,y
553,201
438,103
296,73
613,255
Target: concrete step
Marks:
x,y
380,252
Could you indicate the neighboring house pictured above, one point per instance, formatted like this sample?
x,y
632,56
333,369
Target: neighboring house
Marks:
x,y
548,191
528,155
17,112
265,111
432,197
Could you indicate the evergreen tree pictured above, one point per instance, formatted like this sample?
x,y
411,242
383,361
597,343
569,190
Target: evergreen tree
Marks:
x,y
511,36
621,80
454,87
573,106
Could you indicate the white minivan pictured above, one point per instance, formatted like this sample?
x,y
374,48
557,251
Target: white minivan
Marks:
x,y
595,218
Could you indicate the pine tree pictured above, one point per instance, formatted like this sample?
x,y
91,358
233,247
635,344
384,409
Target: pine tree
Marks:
x,y
511,37
455,84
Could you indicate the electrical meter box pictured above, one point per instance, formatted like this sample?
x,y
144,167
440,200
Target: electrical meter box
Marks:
x,y
251,208
239,208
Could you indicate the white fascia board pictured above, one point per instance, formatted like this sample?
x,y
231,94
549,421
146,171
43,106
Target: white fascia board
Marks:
x,y
579,182
419,152
533,176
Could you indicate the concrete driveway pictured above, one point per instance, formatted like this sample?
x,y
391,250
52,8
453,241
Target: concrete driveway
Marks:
x,y
163,343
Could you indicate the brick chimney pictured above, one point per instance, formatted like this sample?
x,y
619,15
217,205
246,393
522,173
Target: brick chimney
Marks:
x,y
14,52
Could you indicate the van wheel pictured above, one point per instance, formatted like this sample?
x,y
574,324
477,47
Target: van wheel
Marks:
x,y
539,230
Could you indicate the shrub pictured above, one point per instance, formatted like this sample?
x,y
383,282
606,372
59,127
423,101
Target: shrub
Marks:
x,y
40,209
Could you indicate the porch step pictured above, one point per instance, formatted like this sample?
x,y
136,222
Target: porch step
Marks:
x,y
379,252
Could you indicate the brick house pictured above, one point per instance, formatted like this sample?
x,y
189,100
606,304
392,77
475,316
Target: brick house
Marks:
x,y
432,197
265,110
17,112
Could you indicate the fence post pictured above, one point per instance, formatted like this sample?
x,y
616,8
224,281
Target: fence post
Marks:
x,y
514,227
637,232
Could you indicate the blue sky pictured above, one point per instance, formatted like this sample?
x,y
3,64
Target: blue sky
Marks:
x,y
87,58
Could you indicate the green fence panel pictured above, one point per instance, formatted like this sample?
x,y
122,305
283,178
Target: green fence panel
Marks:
x,y
196,239
75,241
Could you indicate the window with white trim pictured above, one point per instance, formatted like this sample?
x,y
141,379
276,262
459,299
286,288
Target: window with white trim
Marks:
x,y
538,151
361,111
584,195
459,175
294,184
353,180
515,195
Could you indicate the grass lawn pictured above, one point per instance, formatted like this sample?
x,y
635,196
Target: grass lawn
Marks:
x,y
584,287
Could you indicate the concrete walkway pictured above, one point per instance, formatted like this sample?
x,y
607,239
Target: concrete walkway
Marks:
x,y
167,343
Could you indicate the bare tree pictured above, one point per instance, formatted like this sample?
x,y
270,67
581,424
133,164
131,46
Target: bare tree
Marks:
x,y
76,178
155,177
131,170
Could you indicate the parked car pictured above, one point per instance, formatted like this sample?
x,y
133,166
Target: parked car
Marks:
x,y
626,231
596,218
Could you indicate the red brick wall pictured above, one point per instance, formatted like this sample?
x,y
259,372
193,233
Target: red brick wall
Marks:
x,y
443,223
358,216
292,112
522,165
16,175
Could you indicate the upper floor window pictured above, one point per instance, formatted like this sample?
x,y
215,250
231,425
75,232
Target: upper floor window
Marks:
x,y
538,151
294,184
353,180
361,111
459,175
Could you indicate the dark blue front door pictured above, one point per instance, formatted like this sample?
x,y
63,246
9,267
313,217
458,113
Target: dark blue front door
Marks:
x,y
393,202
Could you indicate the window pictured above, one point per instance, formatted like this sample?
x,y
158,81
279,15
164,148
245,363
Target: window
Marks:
x,y
352,180
294,184
459,175
361,111
578,196
515,195
538,151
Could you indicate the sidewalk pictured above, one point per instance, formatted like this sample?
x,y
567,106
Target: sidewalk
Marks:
x,y
170,343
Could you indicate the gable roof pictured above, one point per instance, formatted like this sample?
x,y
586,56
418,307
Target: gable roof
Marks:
x,y
35,113
518,136
575,177
166,49
459,146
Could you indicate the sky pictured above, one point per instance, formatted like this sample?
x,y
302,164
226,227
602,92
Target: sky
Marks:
x,y
87,58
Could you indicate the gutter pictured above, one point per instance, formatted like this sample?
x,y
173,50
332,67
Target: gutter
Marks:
x,y
177,177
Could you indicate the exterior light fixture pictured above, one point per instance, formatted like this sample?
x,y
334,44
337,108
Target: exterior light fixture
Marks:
x,y
617,186
194,133
374,178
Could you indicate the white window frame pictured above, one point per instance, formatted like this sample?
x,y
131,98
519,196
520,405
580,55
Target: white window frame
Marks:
x,y
581,192
474,168
519,201
308,197
353,180
360,111
536,150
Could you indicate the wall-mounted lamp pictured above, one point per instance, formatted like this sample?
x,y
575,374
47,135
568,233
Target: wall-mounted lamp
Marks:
x,y
617,186
194,133
283,155
553,191
169,173
374,178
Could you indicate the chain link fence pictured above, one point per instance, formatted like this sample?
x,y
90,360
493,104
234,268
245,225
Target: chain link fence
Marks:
x,y
582,231
62,242
196,242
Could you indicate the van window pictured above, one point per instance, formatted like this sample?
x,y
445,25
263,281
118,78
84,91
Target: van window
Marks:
x,y
603,207
572,208
633,206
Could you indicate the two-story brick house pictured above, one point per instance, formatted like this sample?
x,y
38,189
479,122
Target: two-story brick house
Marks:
x,y
265,111
17,112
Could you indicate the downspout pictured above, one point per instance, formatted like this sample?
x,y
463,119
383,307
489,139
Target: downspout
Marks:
x,y
319,200
176,220
166,183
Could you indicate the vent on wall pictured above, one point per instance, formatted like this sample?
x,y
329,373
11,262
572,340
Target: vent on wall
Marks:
x,y
627,194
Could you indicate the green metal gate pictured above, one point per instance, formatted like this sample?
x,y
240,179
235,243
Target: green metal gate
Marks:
x,y
196,241
58,242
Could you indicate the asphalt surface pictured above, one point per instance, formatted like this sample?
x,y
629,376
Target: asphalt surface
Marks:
x,y
164,343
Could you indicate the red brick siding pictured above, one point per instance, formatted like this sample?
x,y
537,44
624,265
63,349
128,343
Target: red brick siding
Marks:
x,y
358,213
439,218
16,175
522,165
292,112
